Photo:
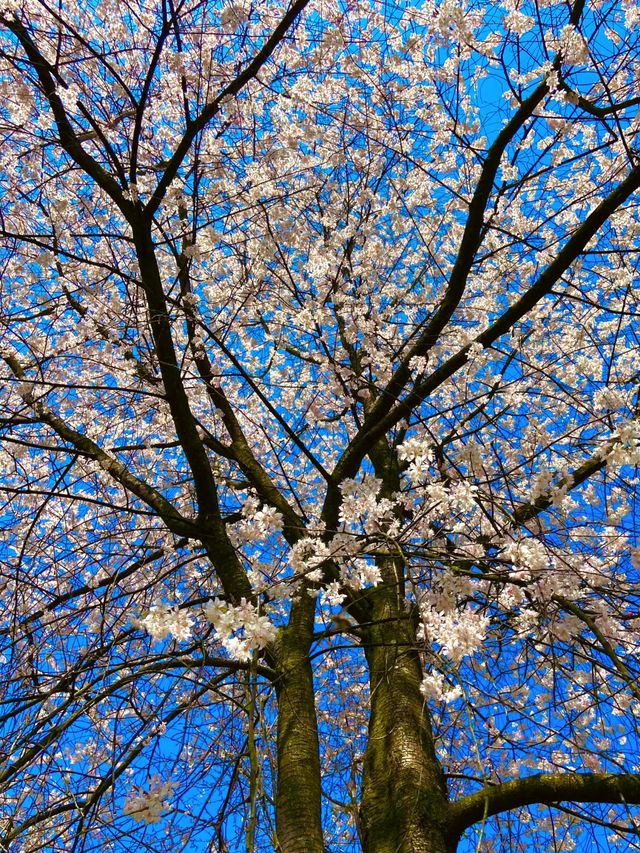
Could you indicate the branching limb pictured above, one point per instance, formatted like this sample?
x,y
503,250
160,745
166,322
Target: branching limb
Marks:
x,y
544,789
213,108
366,438
469,245
68,138
176,522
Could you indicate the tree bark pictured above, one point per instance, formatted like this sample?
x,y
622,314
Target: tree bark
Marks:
x,y
298,820
544,789
404,796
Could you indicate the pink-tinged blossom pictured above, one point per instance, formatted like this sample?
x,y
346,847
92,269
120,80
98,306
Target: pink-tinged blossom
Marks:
x,y
625,449
572,46
434,687
240,629
332,594
146,805
631,14
164,620
529,557
458,633
518,23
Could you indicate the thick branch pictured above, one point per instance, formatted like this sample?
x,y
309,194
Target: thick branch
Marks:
x,y
211,530
177,398
240,449
213,108
361,444
297,801
469,245
68,137
544,789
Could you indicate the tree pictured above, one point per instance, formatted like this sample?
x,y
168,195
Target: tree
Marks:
x,y
319,425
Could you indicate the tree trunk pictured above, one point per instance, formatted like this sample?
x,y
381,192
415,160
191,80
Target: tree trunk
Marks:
x,y
404,796
298,821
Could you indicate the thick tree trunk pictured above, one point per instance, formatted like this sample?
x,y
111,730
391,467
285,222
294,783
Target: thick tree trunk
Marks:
x,y
298,822
404,797
404,806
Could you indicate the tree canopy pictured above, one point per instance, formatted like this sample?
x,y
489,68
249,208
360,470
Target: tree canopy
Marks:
x,y
319,425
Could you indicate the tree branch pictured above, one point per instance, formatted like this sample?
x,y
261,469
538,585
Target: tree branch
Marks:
x,y
543,789
168,513
365,439
469,245
69,140
213,108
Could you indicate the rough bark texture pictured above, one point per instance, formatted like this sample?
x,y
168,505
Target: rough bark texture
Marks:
x,y
544,788
404,798
404,805
298,824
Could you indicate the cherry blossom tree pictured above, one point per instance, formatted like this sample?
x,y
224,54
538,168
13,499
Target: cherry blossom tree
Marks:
x,y
319,425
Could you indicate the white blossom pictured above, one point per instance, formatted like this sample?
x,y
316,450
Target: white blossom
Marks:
x,y
164,620
332,595
573,46
435,688
146,805
458,632
233,16
240,628
517,22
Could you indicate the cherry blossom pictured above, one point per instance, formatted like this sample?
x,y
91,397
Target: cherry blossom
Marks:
x,y
319,425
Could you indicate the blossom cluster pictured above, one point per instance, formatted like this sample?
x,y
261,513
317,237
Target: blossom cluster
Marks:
x,y
165,620
459,633
146,805
435,687
240,628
